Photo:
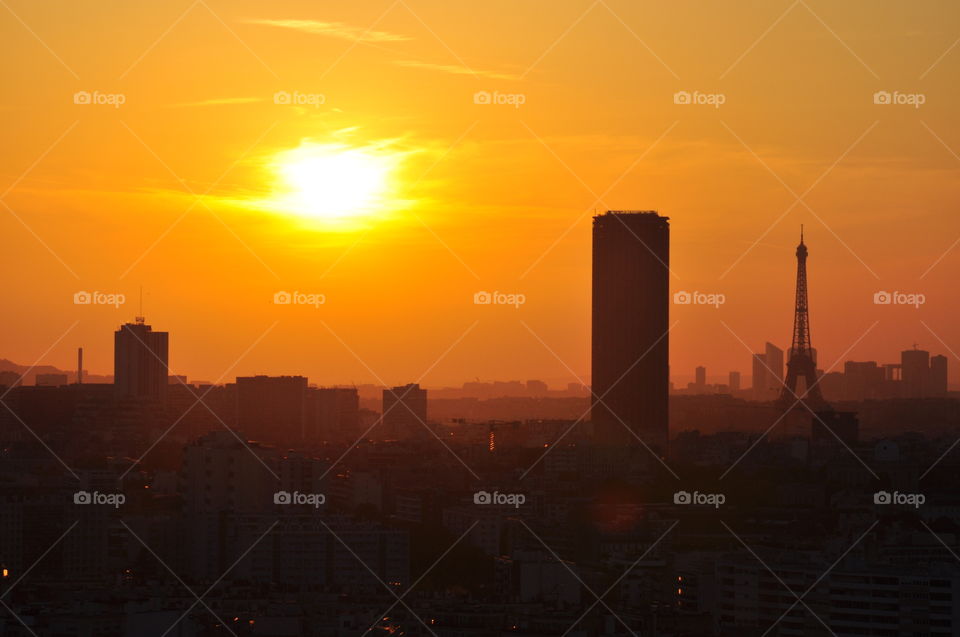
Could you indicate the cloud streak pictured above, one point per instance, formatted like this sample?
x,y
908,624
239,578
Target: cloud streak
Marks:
x,y
333,30
219,101
457,70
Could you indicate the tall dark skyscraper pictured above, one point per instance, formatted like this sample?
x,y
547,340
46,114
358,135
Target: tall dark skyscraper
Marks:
x,y
140,361
631,314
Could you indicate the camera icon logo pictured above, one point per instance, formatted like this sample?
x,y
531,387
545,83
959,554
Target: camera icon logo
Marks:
x,y
882,497
82,298
282,497
882,298
682,97
482,97
82,497
682,298
482,298
283,298
482,497
882,97
282,97
682,497
82,97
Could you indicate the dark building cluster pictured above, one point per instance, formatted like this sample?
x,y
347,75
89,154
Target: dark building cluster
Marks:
x,y
268,506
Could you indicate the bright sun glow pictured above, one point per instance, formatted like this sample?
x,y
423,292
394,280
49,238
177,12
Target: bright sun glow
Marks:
x,y
333,181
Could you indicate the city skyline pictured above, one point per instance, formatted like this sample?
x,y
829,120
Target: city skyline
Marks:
x,y
677,378
586,318
457,179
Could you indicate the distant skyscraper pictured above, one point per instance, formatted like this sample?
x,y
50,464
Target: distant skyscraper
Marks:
x,y
631,291
915,370
938,375
760,377
404,412
773,356
333,414
140,361
734,382
701,376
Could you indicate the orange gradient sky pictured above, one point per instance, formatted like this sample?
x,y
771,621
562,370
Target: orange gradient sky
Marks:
x,y
181,189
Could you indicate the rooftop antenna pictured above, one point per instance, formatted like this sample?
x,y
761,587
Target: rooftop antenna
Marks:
x,y
140,320
801,233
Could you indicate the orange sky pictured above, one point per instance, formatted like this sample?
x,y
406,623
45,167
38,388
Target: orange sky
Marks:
x,y
168,189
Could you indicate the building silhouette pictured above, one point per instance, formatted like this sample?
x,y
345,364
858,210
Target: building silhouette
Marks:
x,y
700,374
272,408
915,372
938,375
922,375
630,366
332,414
140,361
768,373
734,381
404,412
51,380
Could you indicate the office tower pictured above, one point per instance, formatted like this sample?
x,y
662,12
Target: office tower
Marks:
x,y
140,361
802,364
760,379
272,408
773,356
333,414
734,382
915,370
938,375
630,366
701,376
404,412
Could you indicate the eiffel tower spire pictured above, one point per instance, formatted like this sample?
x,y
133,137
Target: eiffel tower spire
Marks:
x,y
801,363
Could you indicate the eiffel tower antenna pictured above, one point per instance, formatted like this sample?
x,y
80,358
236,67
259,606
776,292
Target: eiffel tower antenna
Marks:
x,y
801,363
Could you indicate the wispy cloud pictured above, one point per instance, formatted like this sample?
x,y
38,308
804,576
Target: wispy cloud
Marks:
x,y
219,101
333,30
457,70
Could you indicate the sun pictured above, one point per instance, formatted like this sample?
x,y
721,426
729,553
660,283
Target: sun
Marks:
x,y
333,181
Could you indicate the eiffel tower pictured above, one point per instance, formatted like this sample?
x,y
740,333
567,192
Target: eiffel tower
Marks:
x,y
801,363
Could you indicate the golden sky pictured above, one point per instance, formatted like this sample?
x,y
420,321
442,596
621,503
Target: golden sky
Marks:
x,y
186,175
